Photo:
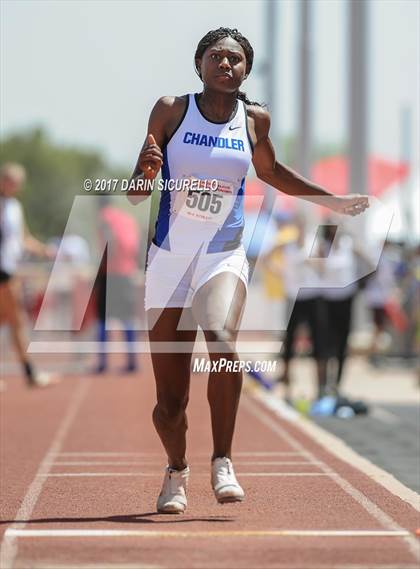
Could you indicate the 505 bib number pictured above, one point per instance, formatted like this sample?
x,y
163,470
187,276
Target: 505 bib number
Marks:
x,y
204,201
212,206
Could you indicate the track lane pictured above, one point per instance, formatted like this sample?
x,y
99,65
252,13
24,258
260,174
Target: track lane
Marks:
x,y
113,425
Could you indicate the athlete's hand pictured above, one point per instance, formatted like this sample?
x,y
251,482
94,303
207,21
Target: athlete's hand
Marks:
x,y
151,158
353,204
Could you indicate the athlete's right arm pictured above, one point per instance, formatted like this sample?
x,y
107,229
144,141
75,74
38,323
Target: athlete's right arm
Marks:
x,y
150,158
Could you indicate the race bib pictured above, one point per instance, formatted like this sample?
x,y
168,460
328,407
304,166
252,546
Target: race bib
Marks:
x,y
208,205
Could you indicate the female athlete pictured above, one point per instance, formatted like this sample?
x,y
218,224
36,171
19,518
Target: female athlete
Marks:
x,y
197,269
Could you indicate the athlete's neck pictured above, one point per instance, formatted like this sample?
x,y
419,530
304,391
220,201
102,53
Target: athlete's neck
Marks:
x,y
217,106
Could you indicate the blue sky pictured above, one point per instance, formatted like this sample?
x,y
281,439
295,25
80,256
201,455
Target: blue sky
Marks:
x,y
90,71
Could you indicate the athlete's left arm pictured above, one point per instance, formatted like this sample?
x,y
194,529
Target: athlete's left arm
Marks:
x,y
287,180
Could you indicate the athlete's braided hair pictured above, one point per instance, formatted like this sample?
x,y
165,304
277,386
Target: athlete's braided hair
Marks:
x,y
215,35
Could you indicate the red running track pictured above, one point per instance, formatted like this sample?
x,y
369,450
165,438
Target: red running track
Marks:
x,y
81,467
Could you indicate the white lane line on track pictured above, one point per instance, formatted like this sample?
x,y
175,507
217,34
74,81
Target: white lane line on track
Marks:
x,y
144,347
377,513
341,450
152,474
209,533
8,550
269,566
160,462
105,454
108,463
154,566
35,565
160,454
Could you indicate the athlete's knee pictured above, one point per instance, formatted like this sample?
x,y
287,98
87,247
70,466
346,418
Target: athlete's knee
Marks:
x,y
170,411
221,341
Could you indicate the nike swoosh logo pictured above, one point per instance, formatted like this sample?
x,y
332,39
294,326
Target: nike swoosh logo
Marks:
x,y
234,127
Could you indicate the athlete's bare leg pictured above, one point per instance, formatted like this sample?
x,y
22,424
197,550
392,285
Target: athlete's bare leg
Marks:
x,y
172,376
218,307
11,313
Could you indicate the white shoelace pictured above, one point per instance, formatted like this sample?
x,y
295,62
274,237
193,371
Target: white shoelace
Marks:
x,y
225,471
176,482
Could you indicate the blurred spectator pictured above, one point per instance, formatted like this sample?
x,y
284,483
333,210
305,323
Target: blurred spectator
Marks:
x,y
115,290
301,285
408,301
378,292
339,267
415,289
73,258
14,239
271,266
73,249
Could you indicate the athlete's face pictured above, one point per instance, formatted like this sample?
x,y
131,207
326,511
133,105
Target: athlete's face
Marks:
x,y
223,65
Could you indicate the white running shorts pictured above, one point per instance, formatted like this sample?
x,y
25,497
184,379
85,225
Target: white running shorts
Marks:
x,y
172,279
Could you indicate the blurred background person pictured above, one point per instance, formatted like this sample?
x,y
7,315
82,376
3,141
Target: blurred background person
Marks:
x,y
114,286
340,258
415,295
73,254
272,263
289,261
403,303
73,249
338,266
379,289
15,238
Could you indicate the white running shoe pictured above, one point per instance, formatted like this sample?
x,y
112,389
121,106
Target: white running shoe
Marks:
x,y
43,379
225,486
173,499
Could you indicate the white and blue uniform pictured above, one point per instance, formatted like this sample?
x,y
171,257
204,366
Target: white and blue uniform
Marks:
x,y
11,234
199,233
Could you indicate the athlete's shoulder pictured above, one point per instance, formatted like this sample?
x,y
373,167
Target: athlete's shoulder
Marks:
x,y
169,112
259,115
171,103
166,116
258,122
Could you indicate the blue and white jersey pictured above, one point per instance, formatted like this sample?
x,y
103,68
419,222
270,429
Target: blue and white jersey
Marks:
x,y
215,155
12,234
